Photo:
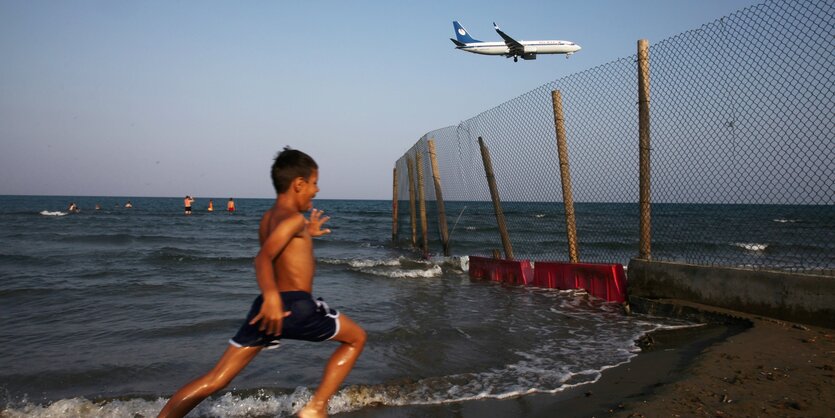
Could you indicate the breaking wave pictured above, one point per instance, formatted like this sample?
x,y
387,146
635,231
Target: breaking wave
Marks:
x,y
394,268
751,246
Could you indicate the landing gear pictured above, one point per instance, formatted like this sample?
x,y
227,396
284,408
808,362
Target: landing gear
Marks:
x,y
515,59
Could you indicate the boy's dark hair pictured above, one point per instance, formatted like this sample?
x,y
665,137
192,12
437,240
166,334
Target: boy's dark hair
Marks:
x,y
290,164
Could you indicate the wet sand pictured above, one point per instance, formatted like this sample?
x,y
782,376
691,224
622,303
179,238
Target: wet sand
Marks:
x,y
775,368
736,365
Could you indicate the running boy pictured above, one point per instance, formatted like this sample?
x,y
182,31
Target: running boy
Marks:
x,y
284,270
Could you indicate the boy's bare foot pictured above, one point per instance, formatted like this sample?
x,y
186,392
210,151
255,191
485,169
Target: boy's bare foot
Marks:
x,y
313,411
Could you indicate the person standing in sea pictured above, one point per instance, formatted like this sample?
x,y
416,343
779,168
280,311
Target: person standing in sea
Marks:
x,y
285,308
187,203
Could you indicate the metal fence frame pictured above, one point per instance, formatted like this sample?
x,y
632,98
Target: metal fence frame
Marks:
x,y
739,129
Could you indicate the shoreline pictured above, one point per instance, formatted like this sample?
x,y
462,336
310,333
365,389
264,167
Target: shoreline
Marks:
x,y
735,365
774,368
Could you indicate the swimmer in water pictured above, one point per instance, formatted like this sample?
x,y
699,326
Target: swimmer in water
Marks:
x,y
187,203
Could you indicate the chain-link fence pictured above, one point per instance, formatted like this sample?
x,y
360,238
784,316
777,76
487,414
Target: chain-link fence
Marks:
x,y
743,154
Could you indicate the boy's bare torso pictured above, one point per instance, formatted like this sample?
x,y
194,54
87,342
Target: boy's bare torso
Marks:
x,y
295,265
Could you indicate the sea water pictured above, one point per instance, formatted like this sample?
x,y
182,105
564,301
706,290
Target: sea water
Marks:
x,y
108,312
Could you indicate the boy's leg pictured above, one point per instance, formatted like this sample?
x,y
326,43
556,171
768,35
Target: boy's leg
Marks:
x,y
340,364
229,365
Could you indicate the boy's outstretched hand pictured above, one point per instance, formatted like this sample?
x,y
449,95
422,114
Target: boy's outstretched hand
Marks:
x,y
271,317
314,224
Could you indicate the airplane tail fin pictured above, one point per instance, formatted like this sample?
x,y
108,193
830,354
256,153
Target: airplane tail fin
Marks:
x,y
461,34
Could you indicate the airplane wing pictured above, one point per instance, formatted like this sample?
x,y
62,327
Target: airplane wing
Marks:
x,y
457,43
515,47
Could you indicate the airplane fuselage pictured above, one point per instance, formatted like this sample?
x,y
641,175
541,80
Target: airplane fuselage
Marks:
x,y
531,47
511,48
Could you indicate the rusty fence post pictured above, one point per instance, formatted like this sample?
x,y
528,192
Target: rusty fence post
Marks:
x,y
421,202
394,205
565,178
439,198
410,165
494,194
644,148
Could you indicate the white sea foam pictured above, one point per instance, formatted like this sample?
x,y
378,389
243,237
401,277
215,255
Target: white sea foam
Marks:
x,y
396,268
783,221
82,408
534,371
226,406
260,404
361,263
464,262
684,326
459,264
56,213
540,215
751,246
429,391
528,377
434,271
373,263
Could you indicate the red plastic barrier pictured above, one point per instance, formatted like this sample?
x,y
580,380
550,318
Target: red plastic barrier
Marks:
x,y
605,281
516,272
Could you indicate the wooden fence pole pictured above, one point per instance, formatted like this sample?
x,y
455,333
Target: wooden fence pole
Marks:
x,y
494,194
422,202
410,165
394,205
439,198
644,149
565,178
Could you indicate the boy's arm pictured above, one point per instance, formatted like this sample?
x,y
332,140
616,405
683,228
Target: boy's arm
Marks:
x,y
272,312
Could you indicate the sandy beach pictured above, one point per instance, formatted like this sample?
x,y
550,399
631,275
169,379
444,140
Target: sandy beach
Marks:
x,y
774,368
736,365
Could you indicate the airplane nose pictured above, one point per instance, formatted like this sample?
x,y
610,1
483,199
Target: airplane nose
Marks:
x,y
579,47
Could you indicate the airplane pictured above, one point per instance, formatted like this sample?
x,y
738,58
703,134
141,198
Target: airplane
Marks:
x,y
510,47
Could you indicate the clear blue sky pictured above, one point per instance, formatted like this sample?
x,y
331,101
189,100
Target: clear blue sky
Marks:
x,y
168,98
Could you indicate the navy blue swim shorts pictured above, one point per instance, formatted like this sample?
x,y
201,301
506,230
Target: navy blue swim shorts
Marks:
x,y
310,320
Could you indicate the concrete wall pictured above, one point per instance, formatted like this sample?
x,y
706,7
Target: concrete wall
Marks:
x,y
789,296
